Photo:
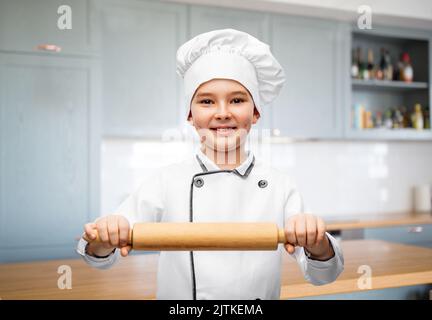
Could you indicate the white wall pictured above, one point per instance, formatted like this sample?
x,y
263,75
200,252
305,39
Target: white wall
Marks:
x,y
336,178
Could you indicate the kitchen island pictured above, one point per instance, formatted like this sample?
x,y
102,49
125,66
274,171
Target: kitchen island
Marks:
x,y
392,265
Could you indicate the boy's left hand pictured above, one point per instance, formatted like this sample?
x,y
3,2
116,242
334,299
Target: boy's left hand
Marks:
x,y
308,231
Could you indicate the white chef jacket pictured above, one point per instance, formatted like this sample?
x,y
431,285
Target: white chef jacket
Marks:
x,y
253,192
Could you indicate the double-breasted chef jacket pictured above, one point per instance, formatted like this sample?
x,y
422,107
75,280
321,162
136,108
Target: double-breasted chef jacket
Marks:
x,y
197,190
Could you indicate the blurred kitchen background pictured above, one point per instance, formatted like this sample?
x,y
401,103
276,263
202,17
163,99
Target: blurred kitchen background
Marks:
x,y
87,109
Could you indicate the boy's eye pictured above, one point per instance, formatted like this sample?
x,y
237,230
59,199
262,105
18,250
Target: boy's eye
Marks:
x,y
205,101
237,100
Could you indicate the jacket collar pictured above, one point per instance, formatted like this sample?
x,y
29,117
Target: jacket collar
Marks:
x,y
208,165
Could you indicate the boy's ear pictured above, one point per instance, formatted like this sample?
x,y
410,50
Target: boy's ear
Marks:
x,y
189,118
256,116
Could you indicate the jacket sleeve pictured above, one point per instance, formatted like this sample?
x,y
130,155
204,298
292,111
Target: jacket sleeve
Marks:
x,y
144,205
314,271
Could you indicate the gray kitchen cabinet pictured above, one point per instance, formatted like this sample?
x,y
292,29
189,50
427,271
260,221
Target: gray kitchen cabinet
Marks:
x,y
25,24
143,95
420,235
417,292
310,51
49,154
204,19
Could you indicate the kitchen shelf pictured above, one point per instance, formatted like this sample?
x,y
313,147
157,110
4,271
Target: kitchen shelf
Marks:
x,y
390,134
381,95
387,85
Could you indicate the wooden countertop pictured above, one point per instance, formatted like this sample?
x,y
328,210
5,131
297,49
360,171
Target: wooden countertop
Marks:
x,y
377,220
393,265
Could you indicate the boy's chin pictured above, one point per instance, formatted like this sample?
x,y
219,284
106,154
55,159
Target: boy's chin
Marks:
x,y
223,144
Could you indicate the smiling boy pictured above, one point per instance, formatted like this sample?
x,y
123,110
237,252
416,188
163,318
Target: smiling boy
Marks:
x,y
229,76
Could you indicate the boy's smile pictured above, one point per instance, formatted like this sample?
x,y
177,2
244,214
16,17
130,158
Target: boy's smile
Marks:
x,y
224,130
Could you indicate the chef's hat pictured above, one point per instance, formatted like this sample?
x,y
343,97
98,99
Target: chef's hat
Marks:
x,y
234,55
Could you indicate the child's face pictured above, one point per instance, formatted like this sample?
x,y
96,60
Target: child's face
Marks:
x,y
222,111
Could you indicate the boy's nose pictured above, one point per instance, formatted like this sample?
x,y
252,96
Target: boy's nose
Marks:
x,y
223,112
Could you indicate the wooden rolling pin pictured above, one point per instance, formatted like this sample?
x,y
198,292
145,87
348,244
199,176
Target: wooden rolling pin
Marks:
x,y
204,236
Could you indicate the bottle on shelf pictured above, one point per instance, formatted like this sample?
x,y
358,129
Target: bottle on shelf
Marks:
x,y
397,119
405,117
397,71
417,117
363,71
406,72
368,120
370,64
388,72
355,65
358,116
388,122
381,67
378,120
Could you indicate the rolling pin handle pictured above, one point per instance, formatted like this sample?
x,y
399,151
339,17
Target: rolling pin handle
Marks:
x,y
281,236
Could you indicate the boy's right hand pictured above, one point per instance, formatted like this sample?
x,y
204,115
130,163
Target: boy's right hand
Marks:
x,y
113,232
